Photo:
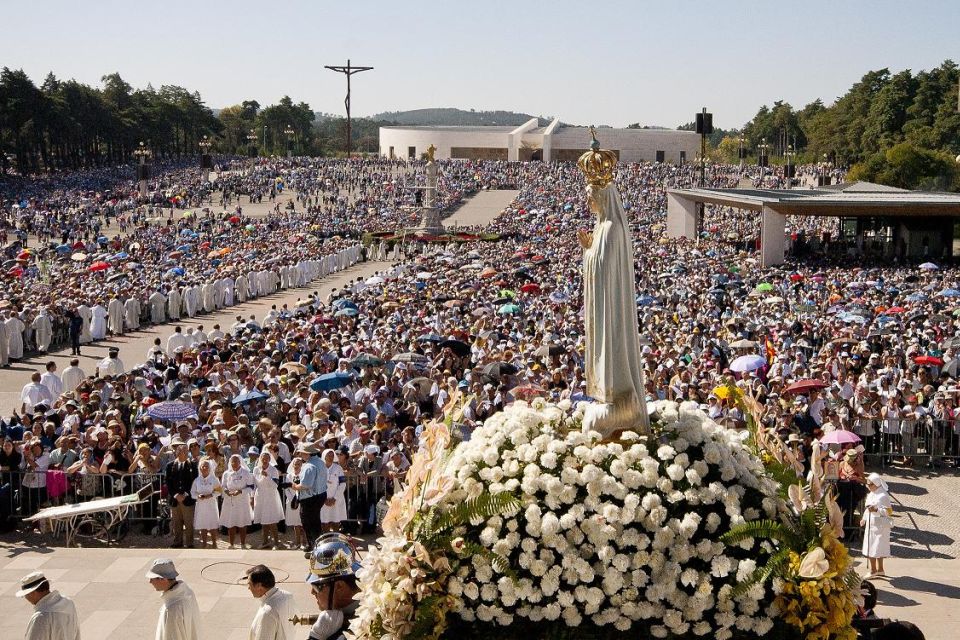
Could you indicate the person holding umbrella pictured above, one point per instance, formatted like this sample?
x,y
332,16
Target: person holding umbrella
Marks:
x,y
876,521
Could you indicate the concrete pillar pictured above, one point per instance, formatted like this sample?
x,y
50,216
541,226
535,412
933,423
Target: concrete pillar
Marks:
x,y
772,241
681,217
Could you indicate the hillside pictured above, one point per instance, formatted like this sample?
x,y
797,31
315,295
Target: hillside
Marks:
x,y
455,117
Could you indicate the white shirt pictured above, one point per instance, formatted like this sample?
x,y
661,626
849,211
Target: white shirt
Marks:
x,y
54,618
33,393
179,614
53,384
72,376
272,621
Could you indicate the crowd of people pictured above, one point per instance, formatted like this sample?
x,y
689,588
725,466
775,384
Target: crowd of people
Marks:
x,y
464,328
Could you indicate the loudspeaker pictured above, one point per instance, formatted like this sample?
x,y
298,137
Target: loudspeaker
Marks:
x,y
704,123
206,161
790,171
143,172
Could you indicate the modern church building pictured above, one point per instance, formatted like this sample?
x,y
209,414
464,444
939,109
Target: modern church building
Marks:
x,y
531,141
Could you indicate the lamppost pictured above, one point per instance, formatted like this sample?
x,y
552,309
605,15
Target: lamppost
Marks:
x,y
206,162
290,134
252,141
743,152
142,154
789,170
763,160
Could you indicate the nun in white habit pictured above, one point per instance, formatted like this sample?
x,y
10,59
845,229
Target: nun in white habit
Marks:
x,y
876,521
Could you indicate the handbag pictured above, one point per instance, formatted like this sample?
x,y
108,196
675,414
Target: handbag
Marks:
x,y
295,502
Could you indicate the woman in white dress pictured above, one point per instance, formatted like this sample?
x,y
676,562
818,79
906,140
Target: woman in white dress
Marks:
x,y
291,513
236,514
206,515
334,511
267,507
876,523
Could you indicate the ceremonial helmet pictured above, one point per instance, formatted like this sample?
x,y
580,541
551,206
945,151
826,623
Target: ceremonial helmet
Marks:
x,y
334,556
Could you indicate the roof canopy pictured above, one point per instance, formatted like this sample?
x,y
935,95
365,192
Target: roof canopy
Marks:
x,y
847,199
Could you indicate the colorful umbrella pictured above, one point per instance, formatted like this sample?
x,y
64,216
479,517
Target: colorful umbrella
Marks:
x,y
805,386
99,266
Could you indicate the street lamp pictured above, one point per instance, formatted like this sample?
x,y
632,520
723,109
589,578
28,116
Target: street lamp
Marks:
x,y
206,162
763,160
142,154
743,152
789,170
252,140
290,134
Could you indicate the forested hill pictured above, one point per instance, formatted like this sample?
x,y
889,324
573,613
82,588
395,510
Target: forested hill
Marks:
x,y
450,116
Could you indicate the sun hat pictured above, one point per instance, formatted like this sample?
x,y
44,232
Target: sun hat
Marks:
x,y
30,582
162,568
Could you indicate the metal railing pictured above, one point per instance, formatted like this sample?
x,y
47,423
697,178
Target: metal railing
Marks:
x,y
922,441
21,497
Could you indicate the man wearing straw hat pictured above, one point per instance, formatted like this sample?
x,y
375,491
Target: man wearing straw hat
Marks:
x,y
54,616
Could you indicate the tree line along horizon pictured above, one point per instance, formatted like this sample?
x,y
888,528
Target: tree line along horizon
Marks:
x,y
901,129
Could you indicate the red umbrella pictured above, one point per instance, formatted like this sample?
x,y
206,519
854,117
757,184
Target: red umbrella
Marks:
x,y
100,265
530,287
805,386
928,360
234,219
489,272
796,277
528,391
16,272
895,310
205,245
23,255
78,245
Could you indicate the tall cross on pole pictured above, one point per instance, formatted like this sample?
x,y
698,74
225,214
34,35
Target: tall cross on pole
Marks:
x,y
347,71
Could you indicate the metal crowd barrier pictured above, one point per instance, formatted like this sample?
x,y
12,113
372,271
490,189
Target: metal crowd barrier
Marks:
x,y
924,441
20,498
363,493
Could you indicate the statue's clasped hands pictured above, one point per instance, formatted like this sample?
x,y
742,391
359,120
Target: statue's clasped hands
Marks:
x,y
585,238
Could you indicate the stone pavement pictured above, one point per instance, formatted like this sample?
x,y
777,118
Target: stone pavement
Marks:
x,y
116,602
481,209
923,583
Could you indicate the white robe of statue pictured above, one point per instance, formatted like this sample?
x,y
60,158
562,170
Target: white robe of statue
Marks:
x,y
614,366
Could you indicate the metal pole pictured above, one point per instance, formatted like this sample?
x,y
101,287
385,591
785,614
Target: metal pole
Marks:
x,y
348,71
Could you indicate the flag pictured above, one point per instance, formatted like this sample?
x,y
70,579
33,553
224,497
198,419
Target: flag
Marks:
x,y
771,352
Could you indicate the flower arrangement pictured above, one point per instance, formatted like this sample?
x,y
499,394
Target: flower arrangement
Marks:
x,y
534,522
812,575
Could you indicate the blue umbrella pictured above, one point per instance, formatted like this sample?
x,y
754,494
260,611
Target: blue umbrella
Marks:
x,y
430,337
178,271
123,255
331,381
347,311
343,302
644,301
64,248
103,240
916,297
950,293
248,396
508,309
184,247
558,297
172,410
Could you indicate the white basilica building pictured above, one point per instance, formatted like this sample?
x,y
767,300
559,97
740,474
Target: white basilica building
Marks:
x,y
530,141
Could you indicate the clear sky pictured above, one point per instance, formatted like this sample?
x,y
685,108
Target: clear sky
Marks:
x,y
587,62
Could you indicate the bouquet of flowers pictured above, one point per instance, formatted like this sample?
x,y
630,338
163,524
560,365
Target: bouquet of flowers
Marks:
x,y
533,521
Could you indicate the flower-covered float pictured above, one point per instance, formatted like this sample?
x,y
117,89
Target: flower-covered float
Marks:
x,y
534,529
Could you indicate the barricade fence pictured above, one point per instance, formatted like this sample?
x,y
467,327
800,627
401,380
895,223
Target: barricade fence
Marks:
x,y
916,441
23,493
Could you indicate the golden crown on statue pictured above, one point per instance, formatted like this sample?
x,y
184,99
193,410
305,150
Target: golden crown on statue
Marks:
x,y
597,164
